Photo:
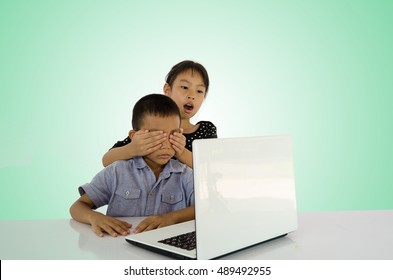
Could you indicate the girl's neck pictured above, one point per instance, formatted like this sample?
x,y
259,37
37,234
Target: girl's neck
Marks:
x,y
187,126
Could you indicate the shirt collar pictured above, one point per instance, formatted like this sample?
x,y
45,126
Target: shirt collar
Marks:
x,y
139,162
173,166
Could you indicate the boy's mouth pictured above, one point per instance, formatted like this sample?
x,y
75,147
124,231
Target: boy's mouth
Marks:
x,y
165,156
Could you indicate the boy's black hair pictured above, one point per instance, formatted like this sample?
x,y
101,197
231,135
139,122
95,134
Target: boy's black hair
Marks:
x,y
153,104
184,66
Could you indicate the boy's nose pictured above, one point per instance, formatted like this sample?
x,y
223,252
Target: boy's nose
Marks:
x,y
166,144
191,97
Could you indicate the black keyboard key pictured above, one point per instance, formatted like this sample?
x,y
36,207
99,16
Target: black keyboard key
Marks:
x,y
185,241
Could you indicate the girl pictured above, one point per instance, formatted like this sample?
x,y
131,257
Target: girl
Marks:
x,y
187,84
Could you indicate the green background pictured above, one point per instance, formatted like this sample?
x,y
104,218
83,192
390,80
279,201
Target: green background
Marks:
x,y
321,71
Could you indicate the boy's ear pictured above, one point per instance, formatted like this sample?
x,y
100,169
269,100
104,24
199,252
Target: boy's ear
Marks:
x,y
167,89
131,133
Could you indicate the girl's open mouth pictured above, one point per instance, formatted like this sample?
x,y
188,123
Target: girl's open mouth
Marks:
x,y
188,107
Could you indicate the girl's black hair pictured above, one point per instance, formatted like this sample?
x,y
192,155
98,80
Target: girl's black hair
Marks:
x,y
184,66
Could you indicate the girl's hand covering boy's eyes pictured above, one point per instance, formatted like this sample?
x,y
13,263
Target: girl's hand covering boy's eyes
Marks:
x,y
178,141
145,142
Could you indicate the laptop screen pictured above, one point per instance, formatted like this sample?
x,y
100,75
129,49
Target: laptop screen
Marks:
x,y
244,191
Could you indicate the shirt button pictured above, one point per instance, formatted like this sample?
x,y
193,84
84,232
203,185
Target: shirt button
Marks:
x,y
127,193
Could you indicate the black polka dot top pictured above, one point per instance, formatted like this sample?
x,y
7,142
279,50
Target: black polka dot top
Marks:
x,y
205,130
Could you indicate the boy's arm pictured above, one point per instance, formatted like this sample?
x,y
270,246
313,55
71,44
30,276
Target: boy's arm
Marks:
x,y
143,143
157,221
82,211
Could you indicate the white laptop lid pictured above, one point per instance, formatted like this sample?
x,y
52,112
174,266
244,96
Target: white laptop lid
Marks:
x,y
244,192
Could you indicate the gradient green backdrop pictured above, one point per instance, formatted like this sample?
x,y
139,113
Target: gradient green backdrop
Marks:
x,y
321,71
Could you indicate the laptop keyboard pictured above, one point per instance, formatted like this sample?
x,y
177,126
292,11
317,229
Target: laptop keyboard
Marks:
x,y
185,241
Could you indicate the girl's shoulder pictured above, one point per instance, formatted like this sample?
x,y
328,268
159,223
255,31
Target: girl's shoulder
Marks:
x,y
206,129
206,124
122,143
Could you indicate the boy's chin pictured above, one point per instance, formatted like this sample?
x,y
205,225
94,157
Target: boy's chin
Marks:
x,y
163,160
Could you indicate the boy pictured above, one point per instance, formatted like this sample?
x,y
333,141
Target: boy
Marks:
x,y
153,185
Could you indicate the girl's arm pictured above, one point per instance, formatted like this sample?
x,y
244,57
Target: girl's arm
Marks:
x,y
186,158
120,153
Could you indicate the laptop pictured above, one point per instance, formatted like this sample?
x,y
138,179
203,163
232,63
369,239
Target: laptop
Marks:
x,y
244,195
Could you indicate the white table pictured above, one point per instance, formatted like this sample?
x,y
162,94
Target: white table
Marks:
x,y
323,236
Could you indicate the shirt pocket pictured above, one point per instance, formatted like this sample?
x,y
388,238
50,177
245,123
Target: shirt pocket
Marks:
x,y
171,201
171,198
126,202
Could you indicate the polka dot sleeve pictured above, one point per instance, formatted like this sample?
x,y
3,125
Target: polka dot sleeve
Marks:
x,y
205,130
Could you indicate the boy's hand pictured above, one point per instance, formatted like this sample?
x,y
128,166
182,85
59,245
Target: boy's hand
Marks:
x,y
145,142
178,141
101,223
153,222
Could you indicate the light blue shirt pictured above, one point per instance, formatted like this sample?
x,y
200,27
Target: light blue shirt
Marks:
x,y
130,188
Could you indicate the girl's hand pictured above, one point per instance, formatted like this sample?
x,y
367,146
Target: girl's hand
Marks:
x,y
145,142
178,141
